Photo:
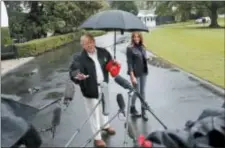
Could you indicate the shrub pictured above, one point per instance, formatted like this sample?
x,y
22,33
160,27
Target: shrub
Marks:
x,y
39,46
96,33
5,36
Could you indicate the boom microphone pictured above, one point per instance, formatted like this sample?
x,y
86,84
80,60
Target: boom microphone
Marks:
x,y
127,85
56,116
123,82
121,103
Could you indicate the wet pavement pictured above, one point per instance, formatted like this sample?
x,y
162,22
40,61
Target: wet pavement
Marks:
x,y
174,97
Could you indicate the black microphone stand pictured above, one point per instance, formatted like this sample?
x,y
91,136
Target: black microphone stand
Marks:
x,y
101,128
147,107
82,125
127,117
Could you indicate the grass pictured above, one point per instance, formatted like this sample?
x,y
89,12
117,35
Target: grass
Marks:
x,y
194,48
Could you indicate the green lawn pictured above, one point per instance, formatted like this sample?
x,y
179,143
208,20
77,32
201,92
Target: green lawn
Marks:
x,y
194,48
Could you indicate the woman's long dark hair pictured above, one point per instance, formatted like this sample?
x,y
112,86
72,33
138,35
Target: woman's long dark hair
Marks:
x,y
140,36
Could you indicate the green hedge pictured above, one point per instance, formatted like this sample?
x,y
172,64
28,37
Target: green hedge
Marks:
x,y
39,46
5,36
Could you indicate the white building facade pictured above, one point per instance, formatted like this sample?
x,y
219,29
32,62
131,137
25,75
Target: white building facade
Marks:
x,y
4,16
148,17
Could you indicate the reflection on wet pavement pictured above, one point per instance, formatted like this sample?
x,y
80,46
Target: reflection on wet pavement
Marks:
x,y
54,95
158,62
172,95
46,72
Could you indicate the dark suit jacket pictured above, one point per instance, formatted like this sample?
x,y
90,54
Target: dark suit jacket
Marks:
x,y
136,62
84,64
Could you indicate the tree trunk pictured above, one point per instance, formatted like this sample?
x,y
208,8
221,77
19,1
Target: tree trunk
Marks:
x,y
214,16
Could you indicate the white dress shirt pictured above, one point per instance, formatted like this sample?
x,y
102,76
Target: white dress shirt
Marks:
x,y
99,72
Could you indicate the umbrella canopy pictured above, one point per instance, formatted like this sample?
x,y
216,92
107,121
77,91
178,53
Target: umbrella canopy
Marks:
x,y
112,20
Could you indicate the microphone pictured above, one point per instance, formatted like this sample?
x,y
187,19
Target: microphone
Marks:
x,y
127,85
121,103
123,82
56,116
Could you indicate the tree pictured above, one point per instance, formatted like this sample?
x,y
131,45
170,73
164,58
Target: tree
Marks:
x,y
145,5
58,17
128,6
212,8
184,9
13,5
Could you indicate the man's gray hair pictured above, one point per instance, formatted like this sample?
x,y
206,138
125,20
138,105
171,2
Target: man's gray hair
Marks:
x,y
82,38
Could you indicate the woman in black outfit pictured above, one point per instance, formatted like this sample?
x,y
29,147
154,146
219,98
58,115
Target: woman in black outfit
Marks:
x,y
137,69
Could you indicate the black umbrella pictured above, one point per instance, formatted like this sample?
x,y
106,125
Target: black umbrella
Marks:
x,y
114,20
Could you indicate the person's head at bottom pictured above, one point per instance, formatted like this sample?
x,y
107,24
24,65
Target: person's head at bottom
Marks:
x,y
88,43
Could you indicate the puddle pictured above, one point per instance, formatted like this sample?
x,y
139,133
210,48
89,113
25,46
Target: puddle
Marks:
x,y
158,62
53,95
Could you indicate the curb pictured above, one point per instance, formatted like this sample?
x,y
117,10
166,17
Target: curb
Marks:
x,y
206,84
19,65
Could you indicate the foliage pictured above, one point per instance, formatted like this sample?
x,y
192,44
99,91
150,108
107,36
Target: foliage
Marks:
x,y
146,5
58,17
13,5
5,36
183,10
39,46
129,6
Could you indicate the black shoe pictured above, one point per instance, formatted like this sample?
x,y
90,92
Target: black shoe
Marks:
x,y
134,112
143,114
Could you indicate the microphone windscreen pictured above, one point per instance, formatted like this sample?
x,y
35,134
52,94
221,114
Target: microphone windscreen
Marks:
x,y
56,116
120,101
123,82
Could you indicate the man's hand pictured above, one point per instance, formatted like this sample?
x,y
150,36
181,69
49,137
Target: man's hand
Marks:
x,y
116,62
81,76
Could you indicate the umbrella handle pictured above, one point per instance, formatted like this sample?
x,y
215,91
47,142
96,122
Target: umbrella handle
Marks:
x,y
114,44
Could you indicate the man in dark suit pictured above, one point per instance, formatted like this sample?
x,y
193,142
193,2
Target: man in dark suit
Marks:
x,y
88,70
